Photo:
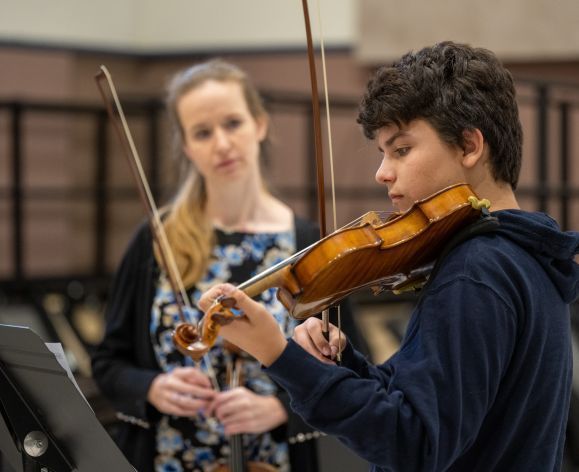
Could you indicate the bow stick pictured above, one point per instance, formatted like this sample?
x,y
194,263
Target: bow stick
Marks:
x,y
318,139
184,331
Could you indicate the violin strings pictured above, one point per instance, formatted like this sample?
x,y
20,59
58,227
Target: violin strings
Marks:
x,y
290,259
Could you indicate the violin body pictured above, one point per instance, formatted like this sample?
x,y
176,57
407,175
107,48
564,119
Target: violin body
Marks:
x,y
375,255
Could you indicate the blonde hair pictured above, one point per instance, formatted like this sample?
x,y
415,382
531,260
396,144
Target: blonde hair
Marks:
x,y
188,229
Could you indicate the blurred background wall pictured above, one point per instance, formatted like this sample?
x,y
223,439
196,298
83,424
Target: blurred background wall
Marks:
x,y
67,201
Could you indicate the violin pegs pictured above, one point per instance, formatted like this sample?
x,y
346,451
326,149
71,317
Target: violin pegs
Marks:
x,y
225,302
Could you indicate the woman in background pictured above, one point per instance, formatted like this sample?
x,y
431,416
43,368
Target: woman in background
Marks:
x,y
223,226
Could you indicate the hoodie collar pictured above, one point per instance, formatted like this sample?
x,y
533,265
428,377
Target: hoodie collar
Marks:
x,y
554,249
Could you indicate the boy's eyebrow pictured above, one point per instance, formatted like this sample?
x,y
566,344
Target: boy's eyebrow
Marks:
x,y
393,138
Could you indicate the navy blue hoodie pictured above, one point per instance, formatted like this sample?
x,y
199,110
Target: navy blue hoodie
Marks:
x,y
482,379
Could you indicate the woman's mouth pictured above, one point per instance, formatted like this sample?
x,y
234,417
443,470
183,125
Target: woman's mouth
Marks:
x,y
226,164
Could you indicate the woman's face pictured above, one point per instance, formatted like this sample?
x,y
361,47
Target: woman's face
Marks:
x,y
221,137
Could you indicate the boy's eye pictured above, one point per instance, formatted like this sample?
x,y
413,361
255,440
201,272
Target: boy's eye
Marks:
x,y
403,151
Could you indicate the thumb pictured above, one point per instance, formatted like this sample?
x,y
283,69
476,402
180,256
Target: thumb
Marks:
x,y
237,299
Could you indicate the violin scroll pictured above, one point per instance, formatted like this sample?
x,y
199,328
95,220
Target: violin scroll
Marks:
x,y
186,338
195,342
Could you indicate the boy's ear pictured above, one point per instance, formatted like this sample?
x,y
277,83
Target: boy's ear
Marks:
x,y
474,144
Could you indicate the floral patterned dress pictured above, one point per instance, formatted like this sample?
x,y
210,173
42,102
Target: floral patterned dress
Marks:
x,y
198,444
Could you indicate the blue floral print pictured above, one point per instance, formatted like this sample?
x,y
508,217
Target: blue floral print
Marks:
x,y
198,444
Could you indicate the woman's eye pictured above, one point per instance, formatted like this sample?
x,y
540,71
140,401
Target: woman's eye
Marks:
x,y
202,134
233,123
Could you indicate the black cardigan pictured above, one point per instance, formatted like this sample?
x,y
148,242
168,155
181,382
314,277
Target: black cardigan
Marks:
x,y
124,365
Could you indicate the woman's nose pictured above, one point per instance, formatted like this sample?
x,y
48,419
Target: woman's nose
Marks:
x,y
222,139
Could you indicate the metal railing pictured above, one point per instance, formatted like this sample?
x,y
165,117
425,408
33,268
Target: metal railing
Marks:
x,y
99,195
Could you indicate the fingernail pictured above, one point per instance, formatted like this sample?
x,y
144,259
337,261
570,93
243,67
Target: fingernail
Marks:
x,y
326,351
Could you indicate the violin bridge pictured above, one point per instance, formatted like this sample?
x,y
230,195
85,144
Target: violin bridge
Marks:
x,y
372,218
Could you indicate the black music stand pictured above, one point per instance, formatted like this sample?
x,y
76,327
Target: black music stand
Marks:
x,y
46,424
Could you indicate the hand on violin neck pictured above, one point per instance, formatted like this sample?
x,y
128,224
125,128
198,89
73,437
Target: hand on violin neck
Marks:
x,y
256,333
310,336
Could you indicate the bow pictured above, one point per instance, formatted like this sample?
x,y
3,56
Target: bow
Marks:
x,y
318,137
185,333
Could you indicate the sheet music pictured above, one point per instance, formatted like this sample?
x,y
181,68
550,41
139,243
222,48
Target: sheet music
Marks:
x,y
56,349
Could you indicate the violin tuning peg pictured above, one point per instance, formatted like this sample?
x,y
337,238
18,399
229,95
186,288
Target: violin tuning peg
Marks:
x,y
227,302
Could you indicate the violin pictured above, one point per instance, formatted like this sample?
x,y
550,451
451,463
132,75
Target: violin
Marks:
x,y
370,252
237,460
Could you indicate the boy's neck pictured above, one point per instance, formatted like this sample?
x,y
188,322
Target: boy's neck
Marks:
x,y
500,194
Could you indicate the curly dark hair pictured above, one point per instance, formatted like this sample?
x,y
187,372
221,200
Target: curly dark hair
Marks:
x,y
454,87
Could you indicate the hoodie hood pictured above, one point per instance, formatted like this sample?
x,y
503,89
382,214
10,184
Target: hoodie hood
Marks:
x,y
554,249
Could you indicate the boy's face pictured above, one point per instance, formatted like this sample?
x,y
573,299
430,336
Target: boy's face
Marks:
x,y
416,163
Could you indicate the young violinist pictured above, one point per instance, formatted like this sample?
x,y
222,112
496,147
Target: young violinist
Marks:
x,y
482,379
223,225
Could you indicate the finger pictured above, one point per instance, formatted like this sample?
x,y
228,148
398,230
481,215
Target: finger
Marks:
x,y
245,304
314,328
338,340
236,424
208,298
186,405
229,400
235,428
175,384
216,408
331,347
224,403
219,399
303,338
228,414
192,375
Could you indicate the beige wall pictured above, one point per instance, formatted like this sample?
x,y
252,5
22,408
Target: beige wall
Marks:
x,y
173,25
378,29
515,29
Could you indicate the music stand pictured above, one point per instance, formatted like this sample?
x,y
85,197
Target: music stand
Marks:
x,y
45,422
